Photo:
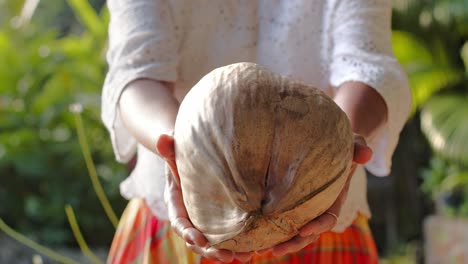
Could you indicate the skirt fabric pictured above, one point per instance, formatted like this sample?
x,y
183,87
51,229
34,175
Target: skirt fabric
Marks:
x,y
142,238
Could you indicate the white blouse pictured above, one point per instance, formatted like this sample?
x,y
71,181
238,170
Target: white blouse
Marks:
x,y
322,43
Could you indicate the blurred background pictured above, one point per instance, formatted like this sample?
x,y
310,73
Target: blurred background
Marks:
x,y
59,180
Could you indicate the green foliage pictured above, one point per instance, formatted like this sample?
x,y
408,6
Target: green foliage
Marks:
x,y
426,72
445,123
447,183
88,17
431,45
42,72
403,254
427,41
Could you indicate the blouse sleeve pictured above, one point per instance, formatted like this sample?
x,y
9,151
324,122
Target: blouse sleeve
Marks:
x,y
362,51
142,44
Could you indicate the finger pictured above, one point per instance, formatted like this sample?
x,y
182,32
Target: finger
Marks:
x,y
323,223
219,254
178,215
174,200
263,251
180,221
295,244
360,139
195,249
243,257
172,171
184,228
192,234
211,253
180,224
326,222
362,152
165,146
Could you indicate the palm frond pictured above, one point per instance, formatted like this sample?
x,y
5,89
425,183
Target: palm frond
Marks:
x,y
428,68
444,121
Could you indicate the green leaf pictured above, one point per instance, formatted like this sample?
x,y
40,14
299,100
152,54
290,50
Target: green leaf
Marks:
x,y
88,17
32,206
433,78
444,122
4,41
409,50
75,46
428,68
24,151
455,180
454,12
55,90
105,16
464,55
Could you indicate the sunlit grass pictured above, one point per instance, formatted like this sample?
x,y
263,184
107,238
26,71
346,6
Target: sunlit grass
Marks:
x,y
76,109
79,237
30,243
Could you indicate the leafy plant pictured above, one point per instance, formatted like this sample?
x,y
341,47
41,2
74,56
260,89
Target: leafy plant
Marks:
x,y
446,183
435,56
403,254
445,123
42,72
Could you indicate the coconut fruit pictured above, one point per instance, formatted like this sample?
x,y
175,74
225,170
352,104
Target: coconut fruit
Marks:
x,y
259,156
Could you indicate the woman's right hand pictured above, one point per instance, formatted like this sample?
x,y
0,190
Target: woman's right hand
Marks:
x,y
180,221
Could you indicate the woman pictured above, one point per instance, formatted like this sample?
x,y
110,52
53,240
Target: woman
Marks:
x,y
158,49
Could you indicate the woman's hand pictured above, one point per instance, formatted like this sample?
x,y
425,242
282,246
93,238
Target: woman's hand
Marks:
x,y
178,216
325,222
196,241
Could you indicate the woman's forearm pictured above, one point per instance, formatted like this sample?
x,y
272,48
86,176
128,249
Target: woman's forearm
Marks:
x,y
364,106
148,109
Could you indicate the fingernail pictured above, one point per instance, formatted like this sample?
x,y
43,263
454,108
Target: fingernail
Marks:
x,y
306,233
226,258
262,251
278,253
189,239
188,244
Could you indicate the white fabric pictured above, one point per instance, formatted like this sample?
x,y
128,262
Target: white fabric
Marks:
x,y
322,43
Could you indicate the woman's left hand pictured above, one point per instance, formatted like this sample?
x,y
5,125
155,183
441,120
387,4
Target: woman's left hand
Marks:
x,y
325,222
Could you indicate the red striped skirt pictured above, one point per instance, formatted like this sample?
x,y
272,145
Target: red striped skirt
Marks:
x,y
142,238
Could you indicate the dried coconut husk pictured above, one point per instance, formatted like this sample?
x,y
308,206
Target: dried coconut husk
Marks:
x,y
259,156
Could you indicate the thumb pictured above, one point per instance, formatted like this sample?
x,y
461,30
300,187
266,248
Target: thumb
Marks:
x,y
362,152
165,147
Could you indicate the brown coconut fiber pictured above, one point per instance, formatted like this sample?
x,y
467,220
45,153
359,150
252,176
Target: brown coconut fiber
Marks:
x,y
259,156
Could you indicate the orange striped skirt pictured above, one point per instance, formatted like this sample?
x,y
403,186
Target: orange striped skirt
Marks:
x,y
142,238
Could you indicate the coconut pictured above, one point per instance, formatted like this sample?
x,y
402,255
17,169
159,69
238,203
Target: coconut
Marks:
x,y
259,156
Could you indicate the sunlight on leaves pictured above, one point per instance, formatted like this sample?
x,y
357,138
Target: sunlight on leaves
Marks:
x,y
444,122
